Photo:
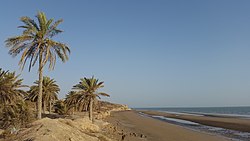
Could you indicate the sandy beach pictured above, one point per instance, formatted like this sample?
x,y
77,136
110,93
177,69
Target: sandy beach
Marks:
x,y
228,122
146,128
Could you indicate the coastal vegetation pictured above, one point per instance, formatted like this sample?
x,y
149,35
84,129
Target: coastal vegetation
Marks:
x,y
18,106
21,104
10,88
14,112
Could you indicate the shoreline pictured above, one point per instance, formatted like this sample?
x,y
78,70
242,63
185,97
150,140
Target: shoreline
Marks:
x,y
226,126
135,127
226,122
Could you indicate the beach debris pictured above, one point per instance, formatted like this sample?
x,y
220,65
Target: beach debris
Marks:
x,y
135,134
143,136
29,139
123,137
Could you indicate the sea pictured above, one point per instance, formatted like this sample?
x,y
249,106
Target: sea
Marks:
x,y
227,111
237,112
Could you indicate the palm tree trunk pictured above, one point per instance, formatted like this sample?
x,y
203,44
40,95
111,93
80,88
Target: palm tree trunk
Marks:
x,y
36,106
91,109
44,106
50,106
39,99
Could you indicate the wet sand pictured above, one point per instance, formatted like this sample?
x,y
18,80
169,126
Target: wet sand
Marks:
x,y
131,123
234,123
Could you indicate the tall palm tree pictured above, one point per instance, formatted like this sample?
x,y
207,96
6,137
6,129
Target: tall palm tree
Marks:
x,y
89,88
50,91
36,43
10,87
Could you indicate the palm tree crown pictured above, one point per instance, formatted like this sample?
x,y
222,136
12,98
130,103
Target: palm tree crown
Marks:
x,y
10,86
89,87
36,42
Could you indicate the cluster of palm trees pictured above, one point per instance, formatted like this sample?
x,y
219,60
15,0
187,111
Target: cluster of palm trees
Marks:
x,y
13,110
86,92
36,44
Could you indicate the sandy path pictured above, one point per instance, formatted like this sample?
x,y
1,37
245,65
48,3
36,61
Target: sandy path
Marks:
x,y
156,130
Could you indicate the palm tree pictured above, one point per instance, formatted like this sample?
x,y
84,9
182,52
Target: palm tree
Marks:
x,y
71,100
88,88
76,100
50,91
12,111
60,107
10,86
36,43
15,115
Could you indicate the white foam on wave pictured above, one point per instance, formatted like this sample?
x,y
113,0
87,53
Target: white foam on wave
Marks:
x,y
228,115
199,114
177,120
179,113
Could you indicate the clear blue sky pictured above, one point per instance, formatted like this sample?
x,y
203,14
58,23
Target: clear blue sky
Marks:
x,y
149,53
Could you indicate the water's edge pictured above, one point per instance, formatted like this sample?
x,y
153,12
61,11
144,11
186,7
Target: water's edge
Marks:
x,y
227,133
240,112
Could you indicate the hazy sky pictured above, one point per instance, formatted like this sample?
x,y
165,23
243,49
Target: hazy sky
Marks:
x,y
149,53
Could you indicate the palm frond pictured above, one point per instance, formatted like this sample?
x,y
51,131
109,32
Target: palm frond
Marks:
x,y
10,87
37,37
104,94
